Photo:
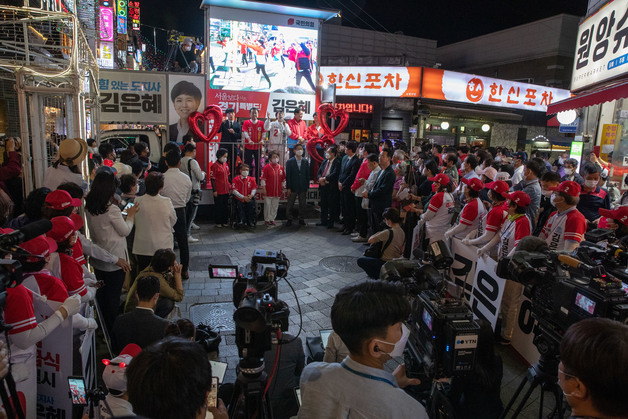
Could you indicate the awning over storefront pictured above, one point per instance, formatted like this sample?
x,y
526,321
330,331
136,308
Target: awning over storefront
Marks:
x,y
617,91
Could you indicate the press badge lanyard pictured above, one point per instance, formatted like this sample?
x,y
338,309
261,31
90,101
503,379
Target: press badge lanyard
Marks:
x,y
370,377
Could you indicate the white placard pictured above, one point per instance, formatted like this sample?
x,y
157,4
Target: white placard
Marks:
x,y
488,289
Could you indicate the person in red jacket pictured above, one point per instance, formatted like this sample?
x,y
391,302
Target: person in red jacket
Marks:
x,y
298,128
244,188
303,64
252,134
219,175
273,182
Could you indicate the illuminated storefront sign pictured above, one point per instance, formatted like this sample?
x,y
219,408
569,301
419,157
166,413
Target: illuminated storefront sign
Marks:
x,y
122,16
355,107
106,24
473,89
373,81
134,15
602,46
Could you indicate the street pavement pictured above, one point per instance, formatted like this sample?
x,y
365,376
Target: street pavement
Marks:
x,y
307,248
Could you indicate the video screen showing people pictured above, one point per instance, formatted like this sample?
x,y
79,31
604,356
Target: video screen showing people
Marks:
x,y
263,58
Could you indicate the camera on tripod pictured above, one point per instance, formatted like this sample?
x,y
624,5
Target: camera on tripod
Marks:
x,y
443,335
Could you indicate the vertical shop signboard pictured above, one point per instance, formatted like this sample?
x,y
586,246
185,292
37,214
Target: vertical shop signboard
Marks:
x,y
609,134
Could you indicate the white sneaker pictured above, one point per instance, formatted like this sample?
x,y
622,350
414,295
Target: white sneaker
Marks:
x,y
195,227
192,239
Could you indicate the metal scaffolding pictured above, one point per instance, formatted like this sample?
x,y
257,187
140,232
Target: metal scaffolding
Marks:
x,y
43,49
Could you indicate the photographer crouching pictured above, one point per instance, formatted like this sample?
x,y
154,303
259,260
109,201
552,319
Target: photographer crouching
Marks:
x,y
368,317
592,371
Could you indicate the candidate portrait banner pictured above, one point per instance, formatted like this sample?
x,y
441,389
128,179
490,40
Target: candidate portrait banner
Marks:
x,y
488,289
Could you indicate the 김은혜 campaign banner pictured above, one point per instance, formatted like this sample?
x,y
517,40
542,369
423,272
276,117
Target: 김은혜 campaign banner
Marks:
x,y
470,88
132,97
265,102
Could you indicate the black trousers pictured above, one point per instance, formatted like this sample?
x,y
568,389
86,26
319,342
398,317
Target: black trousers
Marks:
x,y
290,206
142,262
181,236
307,75
348,208
330,205
108,296
376,219
249,156
362,218
221,208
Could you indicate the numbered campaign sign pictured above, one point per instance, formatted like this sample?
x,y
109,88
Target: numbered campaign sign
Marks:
x,y
463,269
54,366
488,289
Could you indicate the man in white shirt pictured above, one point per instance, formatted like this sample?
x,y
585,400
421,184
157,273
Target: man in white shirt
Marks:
x,y
520,158
178,187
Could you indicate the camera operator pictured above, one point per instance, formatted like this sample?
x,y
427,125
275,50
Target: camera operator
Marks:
x,y
368,318
171,380
565,228
617,220
592,371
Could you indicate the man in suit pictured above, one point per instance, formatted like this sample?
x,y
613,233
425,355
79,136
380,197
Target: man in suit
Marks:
x,y
297,183
348,170
328,175
231,133
140,326
380,196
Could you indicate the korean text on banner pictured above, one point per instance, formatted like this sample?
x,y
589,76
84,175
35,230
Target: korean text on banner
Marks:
x,y
523,336
373,81
54,366
132,97
602,46
463,269
469,88
243,101
488,289
609,135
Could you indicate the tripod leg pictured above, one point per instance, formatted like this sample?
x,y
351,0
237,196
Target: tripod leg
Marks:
x,y
533,385
513,399
541,400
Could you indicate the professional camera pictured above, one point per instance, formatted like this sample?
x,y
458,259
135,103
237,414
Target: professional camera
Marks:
x,y
443,338
259,316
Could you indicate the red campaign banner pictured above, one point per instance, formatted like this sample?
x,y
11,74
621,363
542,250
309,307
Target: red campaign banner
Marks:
x,y
243,101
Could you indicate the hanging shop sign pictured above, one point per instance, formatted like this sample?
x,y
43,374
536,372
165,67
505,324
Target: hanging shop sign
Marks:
x,y
480,90
602,46
106,24
121,8
134,15
355,107
373,81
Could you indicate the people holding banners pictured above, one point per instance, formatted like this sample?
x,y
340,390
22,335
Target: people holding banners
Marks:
x,y
437,218
494,219
565,228
472,212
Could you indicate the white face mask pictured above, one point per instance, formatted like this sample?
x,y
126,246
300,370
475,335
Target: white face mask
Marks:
x,y
327,156
553,199
223,159
275,160
498,158
568,172
299,152
561,160
400,345
590,183
244,173
547,194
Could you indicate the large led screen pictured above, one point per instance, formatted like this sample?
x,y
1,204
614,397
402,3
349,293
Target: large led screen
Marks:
x,y
263,58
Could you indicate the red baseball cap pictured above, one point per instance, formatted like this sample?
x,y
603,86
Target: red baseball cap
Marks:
x,y
499,186
39,247
441,178
77,220
520,198
62,229
474,183
569,187
619,214
60,200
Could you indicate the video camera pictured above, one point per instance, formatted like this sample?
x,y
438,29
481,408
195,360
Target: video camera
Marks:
x,y
564,290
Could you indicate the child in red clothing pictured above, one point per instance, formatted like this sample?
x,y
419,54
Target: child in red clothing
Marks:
x,y
273,182
244,189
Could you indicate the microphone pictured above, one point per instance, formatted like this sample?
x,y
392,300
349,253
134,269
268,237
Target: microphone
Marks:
x,y
593,271
571,262
26,233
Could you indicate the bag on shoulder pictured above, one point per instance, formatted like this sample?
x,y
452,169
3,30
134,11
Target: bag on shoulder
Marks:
x,y
376,250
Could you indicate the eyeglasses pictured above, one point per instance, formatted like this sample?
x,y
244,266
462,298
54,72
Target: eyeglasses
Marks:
x,y
565,374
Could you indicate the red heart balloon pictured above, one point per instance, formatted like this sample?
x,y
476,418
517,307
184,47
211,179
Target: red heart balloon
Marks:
x,y
334,113
211,117
325,141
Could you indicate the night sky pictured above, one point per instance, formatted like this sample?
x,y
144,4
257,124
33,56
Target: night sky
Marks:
x,y
446,21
